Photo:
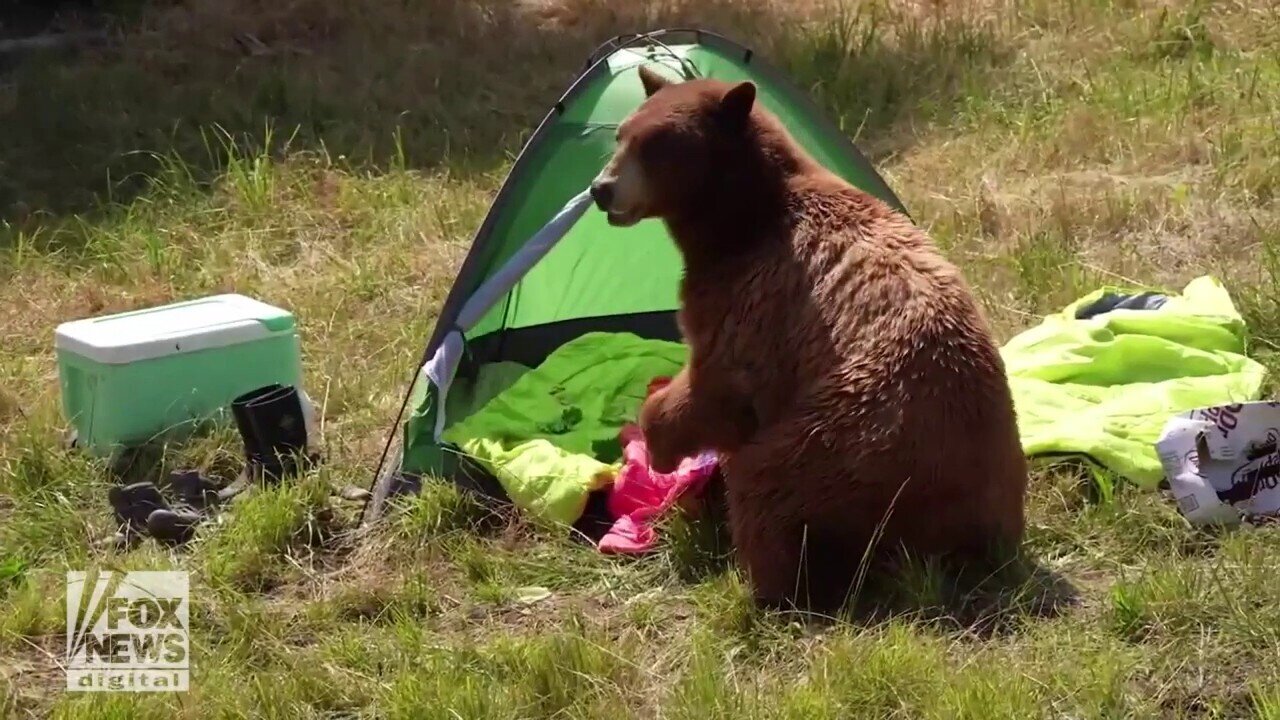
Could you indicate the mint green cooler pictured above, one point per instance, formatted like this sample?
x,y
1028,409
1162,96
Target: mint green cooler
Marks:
x,y
136,376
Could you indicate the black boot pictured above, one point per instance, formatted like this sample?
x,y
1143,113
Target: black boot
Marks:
x,y
193,489
274,429
244,420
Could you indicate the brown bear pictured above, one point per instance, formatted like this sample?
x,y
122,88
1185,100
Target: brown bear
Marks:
x,y
838,362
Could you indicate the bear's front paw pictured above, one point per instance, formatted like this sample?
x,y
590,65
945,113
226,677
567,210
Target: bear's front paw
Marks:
x,y
664,457
663,461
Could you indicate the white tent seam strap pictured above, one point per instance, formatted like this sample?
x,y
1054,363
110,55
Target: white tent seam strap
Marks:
x,y
443,365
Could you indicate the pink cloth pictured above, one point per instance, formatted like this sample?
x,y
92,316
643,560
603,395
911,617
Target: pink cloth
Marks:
x,y
639,495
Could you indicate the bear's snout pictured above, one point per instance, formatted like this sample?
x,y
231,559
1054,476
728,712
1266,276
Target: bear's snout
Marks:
x,y
602,193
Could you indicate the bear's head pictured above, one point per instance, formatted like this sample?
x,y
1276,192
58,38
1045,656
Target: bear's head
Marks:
x,y
682,140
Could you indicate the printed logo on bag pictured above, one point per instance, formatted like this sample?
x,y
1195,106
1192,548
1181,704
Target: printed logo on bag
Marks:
x,y
127,631
1261,470
1224,417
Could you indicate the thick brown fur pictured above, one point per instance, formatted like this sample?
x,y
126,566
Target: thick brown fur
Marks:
x,y
838,361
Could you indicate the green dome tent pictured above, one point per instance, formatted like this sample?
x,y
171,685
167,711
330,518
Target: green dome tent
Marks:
x,y
546,268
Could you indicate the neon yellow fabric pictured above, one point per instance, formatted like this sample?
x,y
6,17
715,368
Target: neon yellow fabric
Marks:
x,y
1100,387
1103,387
552,436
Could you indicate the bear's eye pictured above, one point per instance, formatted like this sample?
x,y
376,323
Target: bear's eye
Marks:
x,y
666,146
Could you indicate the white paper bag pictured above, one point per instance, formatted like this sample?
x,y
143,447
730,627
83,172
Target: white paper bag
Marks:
x,y
1223,462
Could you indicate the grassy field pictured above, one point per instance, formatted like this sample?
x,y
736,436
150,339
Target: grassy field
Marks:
x,y
334,157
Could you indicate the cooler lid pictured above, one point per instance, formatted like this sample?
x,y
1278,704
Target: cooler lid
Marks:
x,y
211,322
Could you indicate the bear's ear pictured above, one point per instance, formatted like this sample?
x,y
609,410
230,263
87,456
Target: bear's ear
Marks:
x,y
652,81
735,106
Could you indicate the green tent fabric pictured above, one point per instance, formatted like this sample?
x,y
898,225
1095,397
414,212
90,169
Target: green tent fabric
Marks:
x,y
593,277
552,436
1103,387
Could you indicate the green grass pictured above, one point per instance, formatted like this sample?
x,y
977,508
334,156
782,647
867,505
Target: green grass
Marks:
x,y
1048,146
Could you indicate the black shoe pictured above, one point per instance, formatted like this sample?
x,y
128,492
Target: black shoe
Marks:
x,y
134,503
193,489
173,526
